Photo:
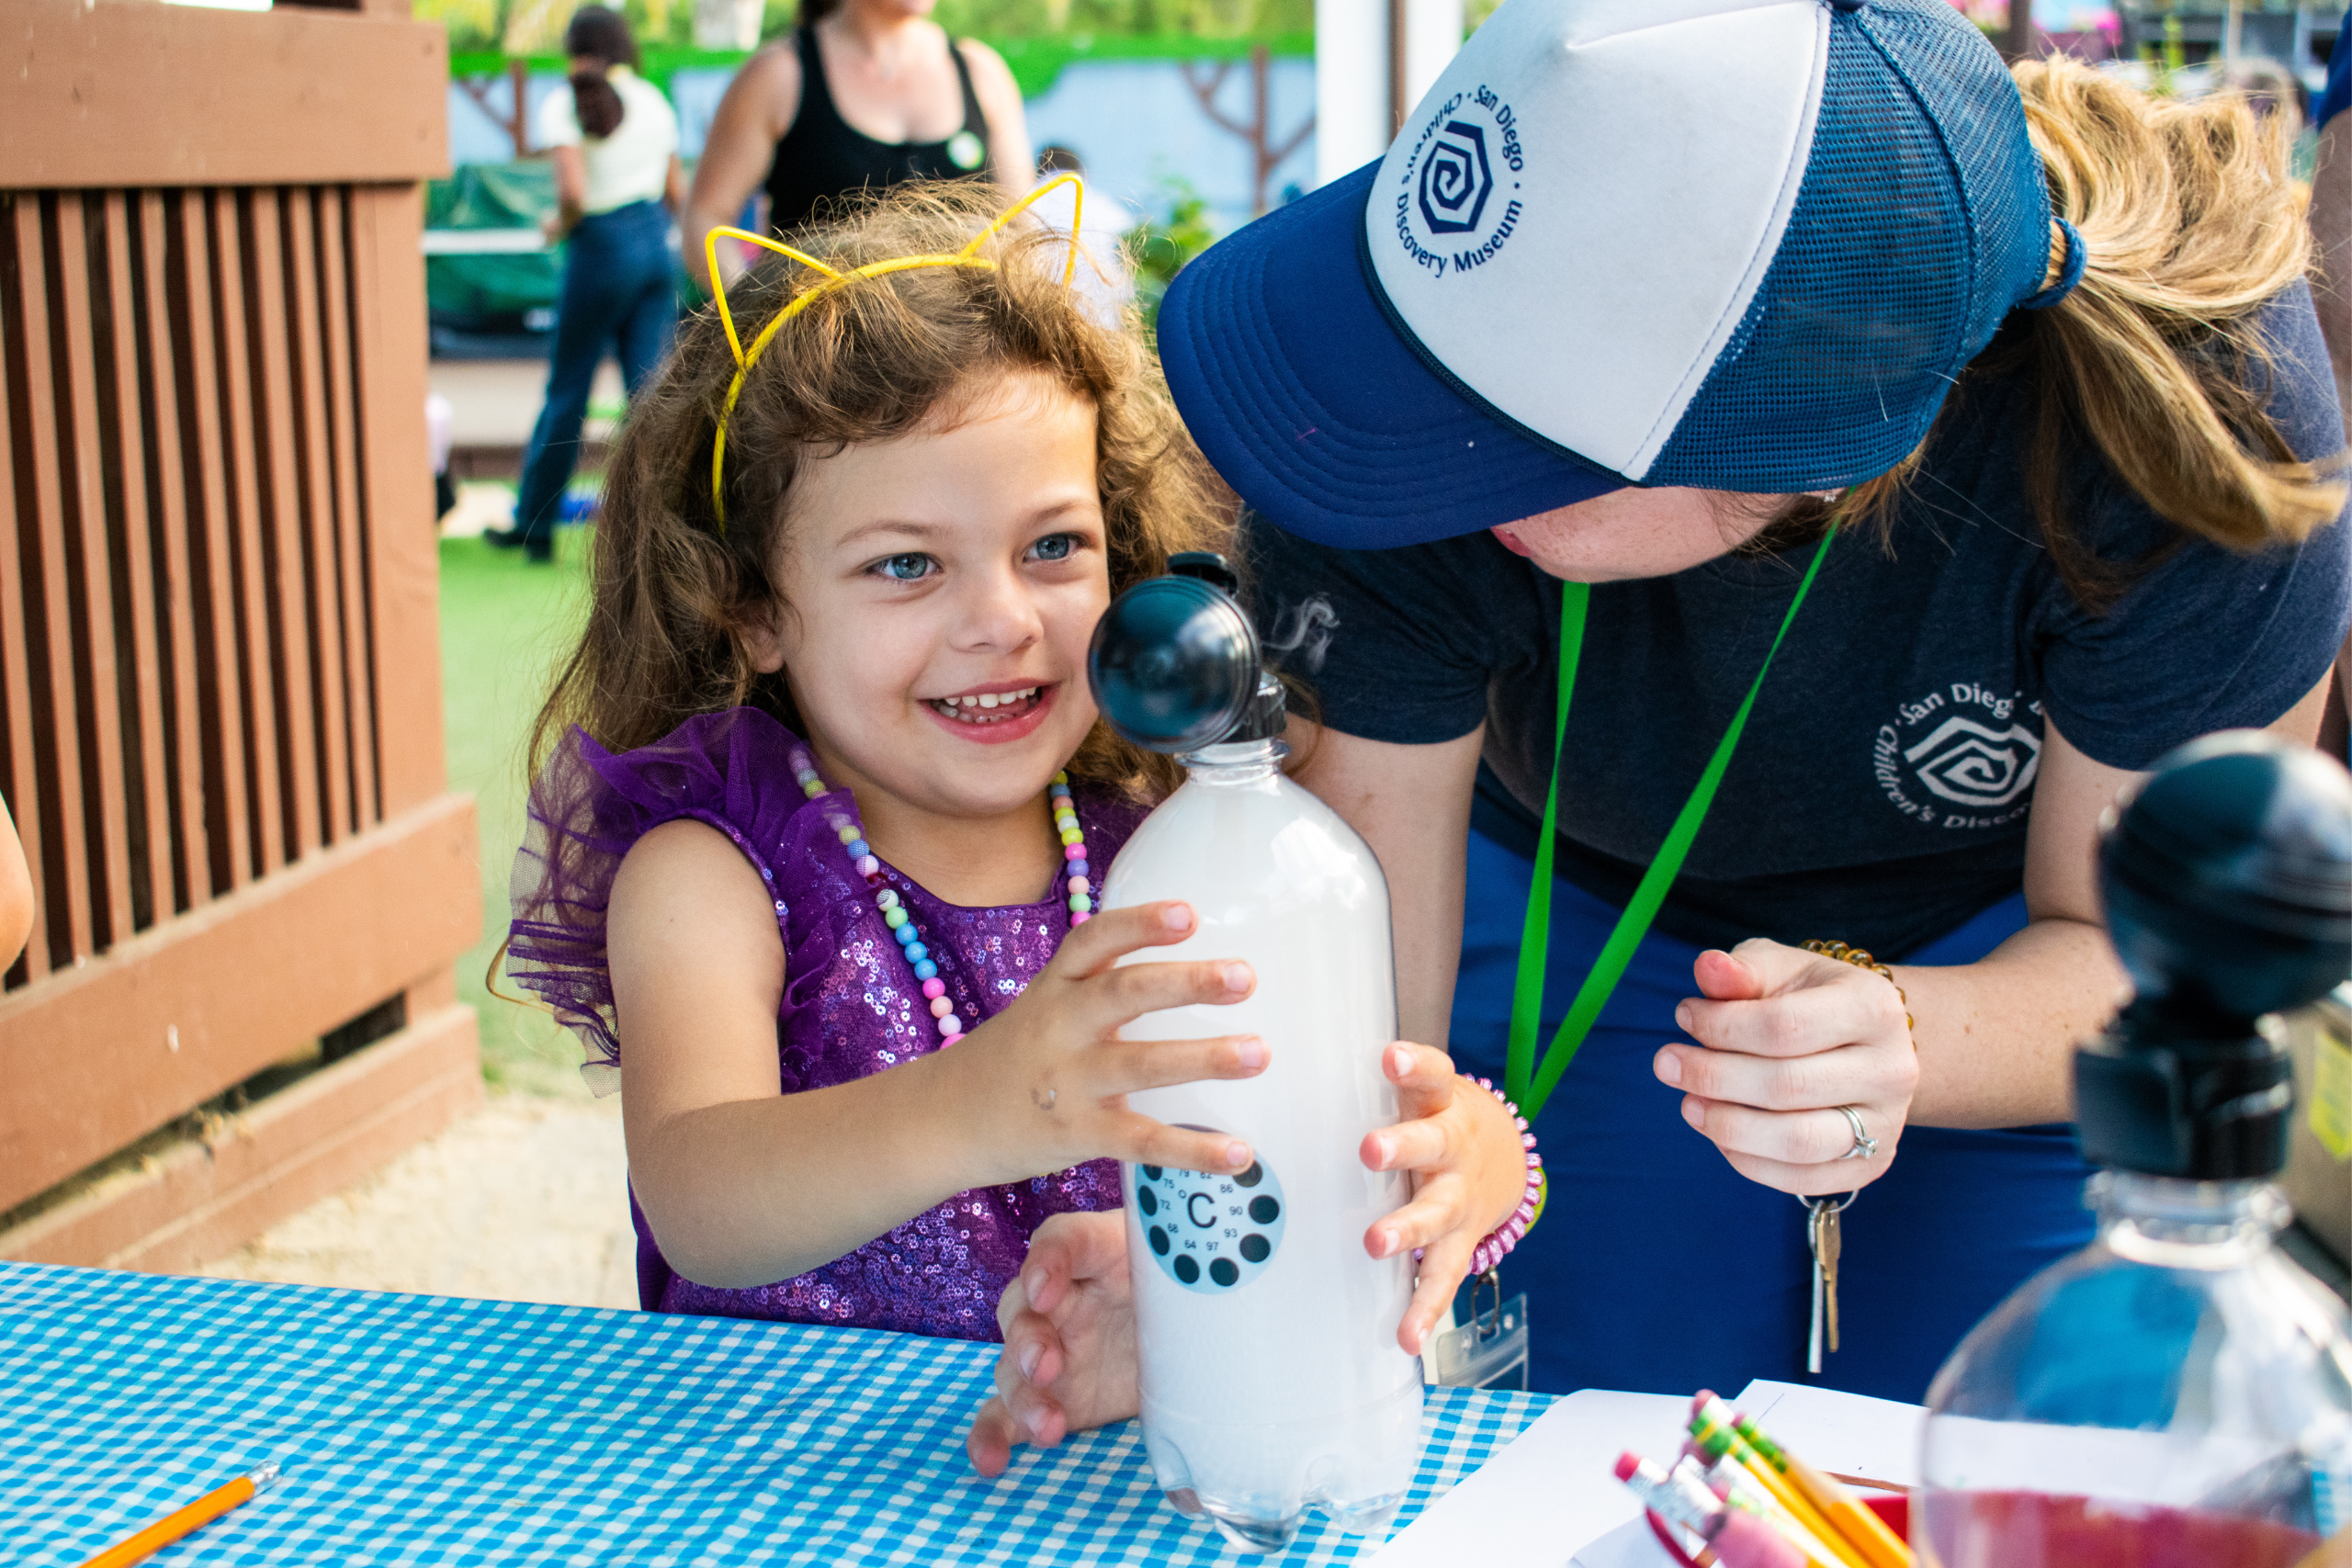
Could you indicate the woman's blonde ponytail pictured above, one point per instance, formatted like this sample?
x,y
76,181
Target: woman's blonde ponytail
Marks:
x,y
2189,222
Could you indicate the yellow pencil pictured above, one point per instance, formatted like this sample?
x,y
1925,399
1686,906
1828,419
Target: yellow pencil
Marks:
x,y
189,1520
1857,1523
1715,1438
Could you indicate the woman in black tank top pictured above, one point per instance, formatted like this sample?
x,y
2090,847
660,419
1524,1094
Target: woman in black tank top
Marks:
x,y
823,157
928,108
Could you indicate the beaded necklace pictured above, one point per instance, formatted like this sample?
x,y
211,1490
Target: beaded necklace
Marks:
x,y
895,914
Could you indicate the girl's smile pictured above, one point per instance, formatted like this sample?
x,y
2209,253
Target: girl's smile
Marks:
x,y
995,715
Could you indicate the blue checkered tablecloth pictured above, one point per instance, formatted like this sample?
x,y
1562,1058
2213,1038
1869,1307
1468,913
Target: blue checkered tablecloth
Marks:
x,y
423,1429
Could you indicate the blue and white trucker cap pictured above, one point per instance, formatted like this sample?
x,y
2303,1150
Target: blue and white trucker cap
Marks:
x,y
1737,245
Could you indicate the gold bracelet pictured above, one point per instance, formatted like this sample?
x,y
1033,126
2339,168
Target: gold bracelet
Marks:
x,y
1860,959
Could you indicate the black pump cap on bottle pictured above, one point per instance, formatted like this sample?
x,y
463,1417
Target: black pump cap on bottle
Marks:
x,y
1174,662
2228,883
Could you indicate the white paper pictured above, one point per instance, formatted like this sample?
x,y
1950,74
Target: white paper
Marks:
x,y
1552,1492
1631,1545
1840,1434
1551,1499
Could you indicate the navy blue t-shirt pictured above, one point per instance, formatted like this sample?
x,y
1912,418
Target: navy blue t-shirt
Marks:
x,y
1880,793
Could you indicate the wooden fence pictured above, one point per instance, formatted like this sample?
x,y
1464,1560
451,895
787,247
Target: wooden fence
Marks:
x,y
219,679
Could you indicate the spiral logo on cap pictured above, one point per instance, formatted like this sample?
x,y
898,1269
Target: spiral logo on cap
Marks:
x,y
1456,179
1975,765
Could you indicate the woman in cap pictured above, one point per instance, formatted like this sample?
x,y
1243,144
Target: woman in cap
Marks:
x,y
1667,341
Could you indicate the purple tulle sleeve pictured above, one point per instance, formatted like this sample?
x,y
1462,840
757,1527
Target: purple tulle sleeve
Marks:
x,y
588,806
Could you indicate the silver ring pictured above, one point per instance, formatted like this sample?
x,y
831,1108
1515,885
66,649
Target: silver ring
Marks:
x,y
1865,1146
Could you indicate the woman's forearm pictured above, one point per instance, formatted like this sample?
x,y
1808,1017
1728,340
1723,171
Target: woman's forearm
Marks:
x,y
752,1191
1997,1038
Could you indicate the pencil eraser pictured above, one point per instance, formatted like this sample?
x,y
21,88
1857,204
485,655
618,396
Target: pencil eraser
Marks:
x,y
1698,1399
1747,1542
1628,1462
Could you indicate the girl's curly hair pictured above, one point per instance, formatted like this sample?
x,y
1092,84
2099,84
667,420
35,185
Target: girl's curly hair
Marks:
x,y
674,593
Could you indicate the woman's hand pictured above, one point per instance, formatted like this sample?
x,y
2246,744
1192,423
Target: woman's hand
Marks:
x,y
1048,1078
1469,1172
1792,1036
1070,1341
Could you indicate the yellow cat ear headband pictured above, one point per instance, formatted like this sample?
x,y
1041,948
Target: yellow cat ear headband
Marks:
x,y
969,256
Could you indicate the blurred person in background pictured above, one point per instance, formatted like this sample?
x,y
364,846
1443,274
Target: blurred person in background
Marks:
x,y
618,179
866,95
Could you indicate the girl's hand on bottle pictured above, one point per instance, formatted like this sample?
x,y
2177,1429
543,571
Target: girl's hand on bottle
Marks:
x,y
1048,1077
1792,1035
1069,1356
1469,1173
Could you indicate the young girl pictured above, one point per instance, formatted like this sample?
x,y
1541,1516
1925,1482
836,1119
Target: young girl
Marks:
x,y
824,798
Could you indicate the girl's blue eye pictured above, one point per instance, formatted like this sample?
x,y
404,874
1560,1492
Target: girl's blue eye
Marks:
x,y
909,568
1054,547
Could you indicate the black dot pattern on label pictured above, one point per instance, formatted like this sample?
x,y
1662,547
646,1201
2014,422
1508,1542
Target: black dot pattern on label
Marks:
x,y
1213,1232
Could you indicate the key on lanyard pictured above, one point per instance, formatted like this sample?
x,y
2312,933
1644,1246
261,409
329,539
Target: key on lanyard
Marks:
x,y
1823,1240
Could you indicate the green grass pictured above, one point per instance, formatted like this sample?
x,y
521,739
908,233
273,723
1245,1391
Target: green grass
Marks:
x,y
504,626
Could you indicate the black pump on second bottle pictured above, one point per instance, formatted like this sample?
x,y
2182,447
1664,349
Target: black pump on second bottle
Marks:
x,y
1175,664
2228,884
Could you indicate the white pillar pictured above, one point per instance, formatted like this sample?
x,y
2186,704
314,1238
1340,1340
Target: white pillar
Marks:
x,y
1353,97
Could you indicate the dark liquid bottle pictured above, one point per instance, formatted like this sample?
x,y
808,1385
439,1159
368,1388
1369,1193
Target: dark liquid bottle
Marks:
x,y
2177,1392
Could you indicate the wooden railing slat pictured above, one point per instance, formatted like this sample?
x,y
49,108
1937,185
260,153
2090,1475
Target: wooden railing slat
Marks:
x,y
123,381
56,719
20,612
262,743
170,517
321,606
350,540
284,558
89,559
404,557
212,583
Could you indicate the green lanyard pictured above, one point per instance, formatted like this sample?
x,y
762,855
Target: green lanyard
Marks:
x,y
1528,1082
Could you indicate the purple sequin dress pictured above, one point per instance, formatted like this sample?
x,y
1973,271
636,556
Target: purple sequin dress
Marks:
x,y
851,1007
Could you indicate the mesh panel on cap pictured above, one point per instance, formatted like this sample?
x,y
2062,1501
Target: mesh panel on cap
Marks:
x,y
1951,66
1877,295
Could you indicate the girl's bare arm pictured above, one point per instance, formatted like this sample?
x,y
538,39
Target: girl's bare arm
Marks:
x,y
743,1184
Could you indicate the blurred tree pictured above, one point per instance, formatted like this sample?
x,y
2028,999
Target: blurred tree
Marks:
x,y
529,27
1161,248
535,26
471,24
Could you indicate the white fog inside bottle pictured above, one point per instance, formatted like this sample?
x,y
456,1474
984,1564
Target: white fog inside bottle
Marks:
x,y
1272,1379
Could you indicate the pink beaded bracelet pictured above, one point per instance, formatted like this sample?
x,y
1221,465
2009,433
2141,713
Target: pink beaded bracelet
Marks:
x,y
1505,1236
1498,1242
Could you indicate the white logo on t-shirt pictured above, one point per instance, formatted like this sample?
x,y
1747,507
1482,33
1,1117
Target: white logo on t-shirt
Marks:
x,y
1963,744
1965,761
